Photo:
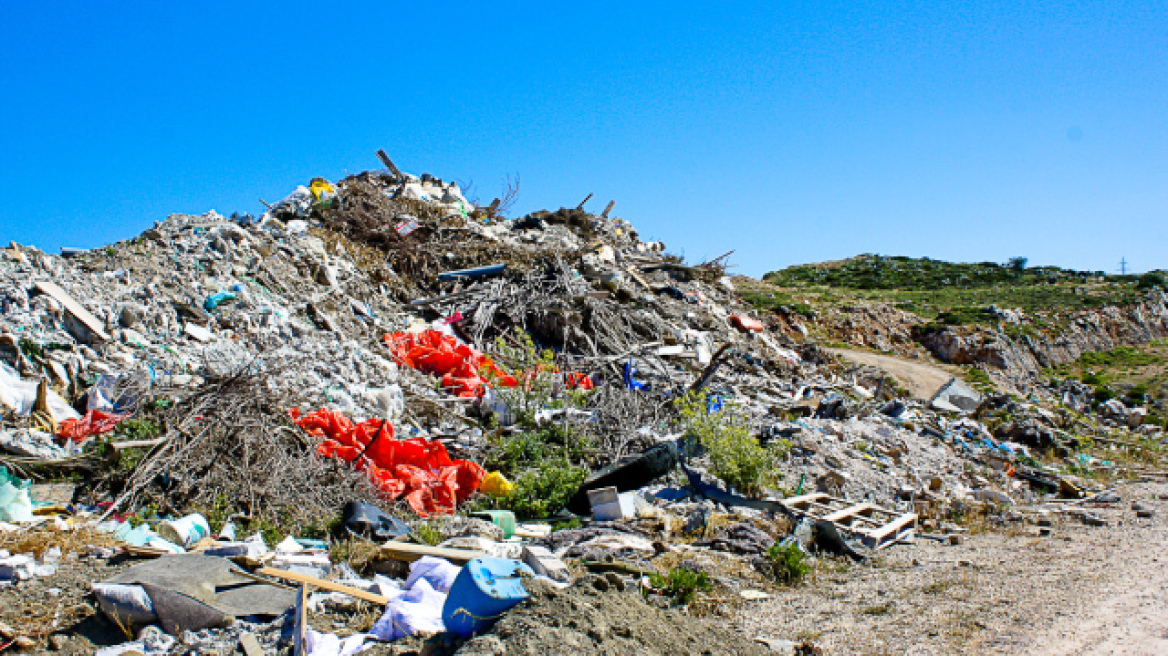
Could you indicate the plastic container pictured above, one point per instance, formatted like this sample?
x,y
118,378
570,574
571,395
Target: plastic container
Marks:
x,y
186,531
483,591
15,502
504,519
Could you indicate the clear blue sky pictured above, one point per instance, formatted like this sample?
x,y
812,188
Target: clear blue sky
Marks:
x,y
791,132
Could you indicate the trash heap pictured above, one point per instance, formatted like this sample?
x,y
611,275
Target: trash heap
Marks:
x,y
467,401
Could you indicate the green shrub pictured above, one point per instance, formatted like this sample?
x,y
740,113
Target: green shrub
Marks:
x,y
681,583
543,491
1103,394
1138,394
1152,280
735,455
519,451
535,372
788,564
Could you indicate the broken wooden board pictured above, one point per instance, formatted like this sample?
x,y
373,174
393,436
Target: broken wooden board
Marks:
x,y
249,645
324,585
410,552
74,308
876,527
389,163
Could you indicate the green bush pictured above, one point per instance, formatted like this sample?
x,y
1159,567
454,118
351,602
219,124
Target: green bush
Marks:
x,y
681,583
1103,394
519,451
535,372
1138,394
735,455
544,491
788,564
1152,280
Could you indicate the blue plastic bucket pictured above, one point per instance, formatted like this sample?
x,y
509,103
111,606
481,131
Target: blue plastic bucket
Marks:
x,y
482,592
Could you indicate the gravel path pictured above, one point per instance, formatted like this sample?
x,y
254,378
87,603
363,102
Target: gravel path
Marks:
x,y
921,379
1080,590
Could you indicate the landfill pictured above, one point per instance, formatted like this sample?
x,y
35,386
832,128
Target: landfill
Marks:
x,y
380,414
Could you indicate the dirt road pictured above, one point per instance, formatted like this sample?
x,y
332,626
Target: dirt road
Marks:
x,y
921,379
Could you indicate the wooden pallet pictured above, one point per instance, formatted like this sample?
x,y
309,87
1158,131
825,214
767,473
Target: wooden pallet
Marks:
x,y
876,527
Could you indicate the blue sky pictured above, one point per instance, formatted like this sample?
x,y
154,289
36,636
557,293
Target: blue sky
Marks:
x,y
789,132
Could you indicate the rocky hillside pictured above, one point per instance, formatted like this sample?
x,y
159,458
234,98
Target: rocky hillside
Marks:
x,y
1010,321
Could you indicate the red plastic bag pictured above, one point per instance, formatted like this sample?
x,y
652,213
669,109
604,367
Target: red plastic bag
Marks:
x,y
94,422
578,380
417,468
462,367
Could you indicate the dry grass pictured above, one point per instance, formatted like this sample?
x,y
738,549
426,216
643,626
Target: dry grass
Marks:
x,y
38,540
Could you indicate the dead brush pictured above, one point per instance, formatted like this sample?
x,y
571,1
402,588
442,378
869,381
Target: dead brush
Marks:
x,y
234,440
37,540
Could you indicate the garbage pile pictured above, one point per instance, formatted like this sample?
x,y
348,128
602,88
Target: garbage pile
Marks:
x,y
382,363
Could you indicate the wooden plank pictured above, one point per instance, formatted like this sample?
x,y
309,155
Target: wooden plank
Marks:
x,y
300,647
607,209
250,646
80,313
581,205
892,527
324,585
149,552
388,163
410,552
804,498
848,512
636,276
137,444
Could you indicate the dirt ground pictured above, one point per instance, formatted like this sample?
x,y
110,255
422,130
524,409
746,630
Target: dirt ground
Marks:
x,y
1080,590
919,378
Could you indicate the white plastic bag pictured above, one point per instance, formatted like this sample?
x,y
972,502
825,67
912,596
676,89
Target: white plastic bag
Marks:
x,y
417,610
127,605
438,572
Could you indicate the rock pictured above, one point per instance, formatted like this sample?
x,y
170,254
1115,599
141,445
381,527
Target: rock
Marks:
x,y
995,496
487,645
129,317
615,581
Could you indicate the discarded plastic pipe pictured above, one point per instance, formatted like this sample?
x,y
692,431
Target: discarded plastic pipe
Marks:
x,y
480,272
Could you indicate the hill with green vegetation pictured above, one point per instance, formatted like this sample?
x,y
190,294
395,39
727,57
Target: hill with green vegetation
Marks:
x,y
949,293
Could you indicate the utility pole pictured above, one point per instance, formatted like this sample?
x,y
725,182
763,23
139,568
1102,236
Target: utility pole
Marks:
x,y
1122,267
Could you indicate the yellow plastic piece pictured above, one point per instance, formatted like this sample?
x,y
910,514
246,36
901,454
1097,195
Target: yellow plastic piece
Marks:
x,y
322,190
496,485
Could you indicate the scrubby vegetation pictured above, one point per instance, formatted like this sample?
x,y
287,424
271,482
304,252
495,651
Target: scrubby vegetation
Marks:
x,y
736,456
948,293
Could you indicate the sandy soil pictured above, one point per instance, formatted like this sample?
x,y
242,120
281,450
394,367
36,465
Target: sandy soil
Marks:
x,y
921,379
1079,590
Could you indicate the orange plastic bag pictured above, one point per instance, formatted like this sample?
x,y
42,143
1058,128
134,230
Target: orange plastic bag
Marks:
x,y
93,422
417,468
462,367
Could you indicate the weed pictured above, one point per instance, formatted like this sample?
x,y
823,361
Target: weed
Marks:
x,y
543,491
788,564
882,609
138,428
427,532
567,524
322,529
735,455
681,583
535,374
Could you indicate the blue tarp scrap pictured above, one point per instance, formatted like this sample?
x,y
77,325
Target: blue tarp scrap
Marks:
x,y
630,382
